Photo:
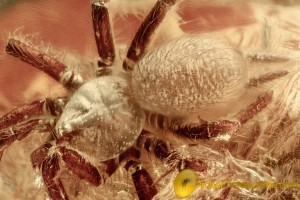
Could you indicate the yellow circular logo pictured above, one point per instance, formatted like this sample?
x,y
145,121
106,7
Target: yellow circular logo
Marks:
x,y
185,183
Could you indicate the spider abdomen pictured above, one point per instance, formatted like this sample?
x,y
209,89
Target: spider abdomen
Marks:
x,y
187,75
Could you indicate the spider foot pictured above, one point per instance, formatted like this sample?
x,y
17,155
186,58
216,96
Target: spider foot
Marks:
x,y
267,57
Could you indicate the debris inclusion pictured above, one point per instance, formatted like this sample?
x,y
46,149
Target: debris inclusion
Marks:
x,y
110,121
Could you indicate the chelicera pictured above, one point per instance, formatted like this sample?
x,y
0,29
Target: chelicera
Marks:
x,y
159,98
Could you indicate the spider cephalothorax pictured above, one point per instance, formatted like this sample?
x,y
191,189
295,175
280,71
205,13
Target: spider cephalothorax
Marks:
x,y
161,97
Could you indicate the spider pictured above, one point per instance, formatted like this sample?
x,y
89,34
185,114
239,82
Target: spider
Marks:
x,y
161,97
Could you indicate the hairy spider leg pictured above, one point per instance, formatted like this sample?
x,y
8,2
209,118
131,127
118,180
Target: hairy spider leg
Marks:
x,y
44,62
267,57
18,123
80,166
207,130
196,131
103,37
142,180
50,170
255,82
161,150
110,166
145,32
49,165
18,132
254,108
204,129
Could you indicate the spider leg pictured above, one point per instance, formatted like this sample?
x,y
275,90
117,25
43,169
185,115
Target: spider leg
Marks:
x,y
254,108
204,129
50,171
224,194
49,165
254,82
44,62
142,181
161,150
157,123
267,57
79,166
23,120
18,132
141,178
145,32
110,166
103,37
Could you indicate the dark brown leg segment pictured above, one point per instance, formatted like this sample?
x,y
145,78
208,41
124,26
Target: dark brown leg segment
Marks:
x,y
80,166
254,82
267,57
18,123
43,62
143,184
205,129
253,109
145,32
103,37
18,132
50,170
21,113
39,155
37,108
160,149
111,165
142,181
